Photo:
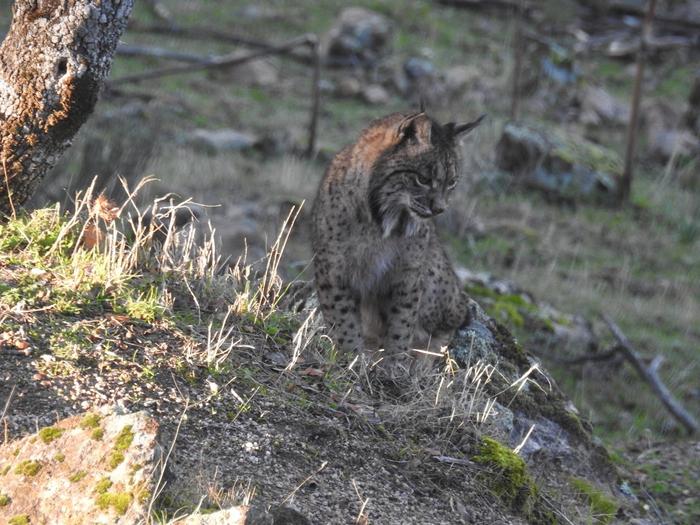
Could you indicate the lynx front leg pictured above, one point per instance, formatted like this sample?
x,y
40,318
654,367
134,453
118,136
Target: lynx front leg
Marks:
x,y
341,311
402,311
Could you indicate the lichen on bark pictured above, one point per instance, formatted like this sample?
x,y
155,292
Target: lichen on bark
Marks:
x,y
53,62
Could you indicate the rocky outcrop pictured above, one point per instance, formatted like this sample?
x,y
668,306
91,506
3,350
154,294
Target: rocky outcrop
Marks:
x,y
359,37
556,163
89,469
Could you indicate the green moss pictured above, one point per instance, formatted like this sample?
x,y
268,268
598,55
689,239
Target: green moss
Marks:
x,y
506,312
121,443
115,459
103,486
90,421
603,508
60,457
119,501
4,470
28,468
124,439
511,482
4,500
20,519
97,434
48,434
77,476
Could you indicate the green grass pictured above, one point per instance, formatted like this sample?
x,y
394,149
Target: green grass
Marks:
x,y
603,508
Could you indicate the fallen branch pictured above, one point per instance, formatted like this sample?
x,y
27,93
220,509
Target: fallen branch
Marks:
x,y
205,33
651,376
161,53
232,59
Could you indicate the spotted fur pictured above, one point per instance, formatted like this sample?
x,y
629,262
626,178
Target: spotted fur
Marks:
x,y
378,260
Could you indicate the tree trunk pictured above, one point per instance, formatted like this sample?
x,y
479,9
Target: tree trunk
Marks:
x,y
53,62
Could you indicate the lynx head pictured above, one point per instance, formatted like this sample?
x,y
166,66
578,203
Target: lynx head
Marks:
x,y
413,178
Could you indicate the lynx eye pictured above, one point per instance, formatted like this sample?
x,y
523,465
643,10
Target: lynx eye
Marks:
x,y
422,180
451,184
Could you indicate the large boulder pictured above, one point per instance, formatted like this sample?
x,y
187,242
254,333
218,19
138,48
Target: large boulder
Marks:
x,y
88,469
359,37
557,163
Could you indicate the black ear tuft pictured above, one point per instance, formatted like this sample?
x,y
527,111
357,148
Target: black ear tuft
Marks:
x,y
422,103
460,129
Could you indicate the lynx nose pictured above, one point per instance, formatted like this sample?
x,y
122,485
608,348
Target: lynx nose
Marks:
x,y
438,205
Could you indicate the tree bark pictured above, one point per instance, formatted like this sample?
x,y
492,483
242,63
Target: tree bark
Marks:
x,y
53,62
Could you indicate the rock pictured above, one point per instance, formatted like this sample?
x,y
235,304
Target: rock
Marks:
x,y
348,87
230,516
93,468
375,94
416,68
359,37
547,328
255,73
220,140
667,143
598,106
559,164
461,78
666,134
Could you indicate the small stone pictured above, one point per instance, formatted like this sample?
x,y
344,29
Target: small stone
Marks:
x,y
375,94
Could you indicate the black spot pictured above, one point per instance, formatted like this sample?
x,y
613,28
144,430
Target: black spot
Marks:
x,y
344,310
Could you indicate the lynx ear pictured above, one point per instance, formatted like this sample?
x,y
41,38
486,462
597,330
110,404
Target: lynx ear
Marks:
x,y
415,127
462,129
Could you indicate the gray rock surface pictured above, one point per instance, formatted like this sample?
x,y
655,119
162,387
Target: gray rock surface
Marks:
x,y
87,469
359,37
557,164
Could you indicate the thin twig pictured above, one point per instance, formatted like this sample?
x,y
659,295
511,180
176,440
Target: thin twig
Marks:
x,y
453,461
207,33
6,408
304,482
162,53
651,376
9,193
229,60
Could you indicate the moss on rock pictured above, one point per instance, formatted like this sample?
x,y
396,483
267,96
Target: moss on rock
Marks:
x,y
77,476
19,519
4,500
28,468
103,485
49,434
119,501
90,421
512,483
